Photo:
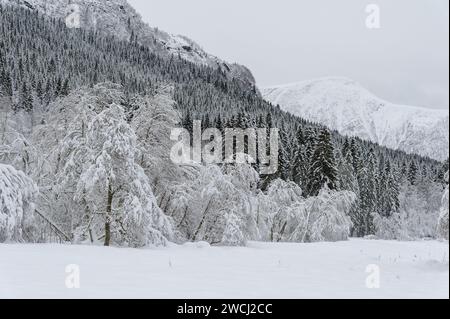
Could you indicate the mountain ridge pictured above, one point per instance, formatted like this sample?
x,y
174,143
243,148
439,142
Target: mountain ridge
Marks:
x,y
344,105
120,19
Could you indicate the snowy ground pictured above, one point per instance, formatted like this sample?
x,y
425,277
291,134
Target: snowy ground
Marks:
x,y
261,270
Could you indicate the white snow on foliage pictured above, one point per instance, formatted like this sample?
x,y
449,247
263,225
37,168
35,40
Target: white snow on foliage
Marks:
x,y
97,166
17,193
443,219
118,18
320,218
111,171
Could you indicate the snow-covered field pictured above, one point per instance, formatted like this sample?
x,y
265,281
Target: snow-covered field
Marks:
x,y
261,270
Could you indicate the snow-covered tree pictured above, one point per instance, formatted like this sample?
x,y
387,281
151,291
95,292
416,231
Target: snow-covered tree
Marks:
x,y
387,192
318,218
285,198
17,195
153,118
245,179
368,182
443,219
419,208
325,217
216,214
412,173
52,90
63,139
217,204
391,227
16,148
116,189
323,169
347,176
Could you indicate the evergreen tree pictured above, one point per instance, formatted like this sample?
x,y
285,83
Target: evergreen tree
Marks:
x,y
300,162
347,177
65,89
283,165
388,192
441,172
44,51
356,155
39,91
25,99
323,170
368,182
48,93
404,172
5,84
188,122
412,173
346,148
310,138
58,87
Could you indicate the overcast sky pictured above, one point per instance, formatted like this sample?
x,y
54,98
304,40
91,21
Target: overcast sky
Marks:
x,y
406,61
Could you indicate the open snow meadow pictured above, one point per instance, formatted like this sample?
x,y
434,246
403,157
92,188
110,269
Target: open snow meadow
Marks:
x,y
352,269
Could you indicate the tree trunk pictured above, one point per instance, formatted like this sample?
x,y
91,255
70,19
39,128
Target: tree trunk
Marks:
x,y
184,216
199,228
108,217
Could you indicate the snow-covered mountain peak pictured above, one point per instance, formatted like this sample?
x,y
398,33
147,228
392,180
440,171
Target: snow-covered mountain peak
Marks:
x,y
344,105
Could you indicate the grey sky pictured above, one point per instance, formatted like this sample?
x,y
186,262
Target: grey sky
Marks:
x,y
283,41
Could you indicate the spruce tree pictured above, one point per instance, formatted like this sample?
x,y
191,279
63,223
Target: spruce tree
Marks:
x,y
299,165
5,84
441,172
25,99
368,182
65,89
388,191
323,170
283,164
412,173
356,155
347,177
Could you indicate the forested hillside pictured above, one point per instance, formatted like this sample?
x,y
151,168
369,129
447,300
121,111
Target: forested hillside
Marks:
x,y
88,118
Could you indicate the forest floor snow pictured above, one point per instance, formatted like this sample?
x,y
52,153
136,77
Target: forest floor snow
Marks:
x,y
350,269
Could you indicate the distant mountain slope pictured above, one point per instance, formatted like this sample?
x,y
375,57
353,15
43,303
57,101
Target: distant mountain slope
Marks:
x,y
347,107
118,18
